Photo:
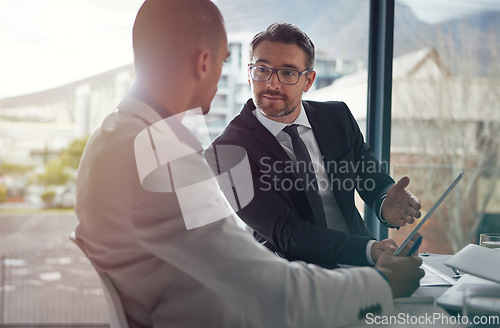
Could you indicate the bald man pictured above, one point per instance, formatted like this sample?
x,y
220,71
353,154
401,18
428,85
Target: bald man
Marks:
x,y
174,253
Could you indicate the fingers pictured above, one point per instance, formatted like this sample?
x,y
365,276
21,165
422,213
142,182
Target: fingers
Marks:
x,y
408,218
414,261
414,206
408,247
402,206
405,218
401,222
415,237
410,214
414,202
387,254
413,212
402,183
417,262
385,244
388,248
403,273
391,243
379,247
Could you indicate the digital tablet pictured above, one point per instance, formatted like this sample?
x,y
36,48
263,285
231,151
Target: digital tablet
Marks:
x,y
428,215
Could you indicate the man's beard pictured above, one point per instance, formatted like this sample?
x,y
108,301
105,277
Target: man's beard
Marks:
x,y
284,111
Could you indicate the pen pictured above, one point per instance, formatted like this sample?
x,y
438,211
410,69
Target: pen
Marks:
x,y
415,246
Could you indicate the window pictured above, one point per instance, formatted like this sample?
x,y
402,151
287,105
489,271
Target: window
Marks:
x,y
444,114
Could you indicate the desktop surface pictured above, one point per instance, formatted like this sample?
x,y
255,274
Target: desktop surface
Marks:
x,y
421,310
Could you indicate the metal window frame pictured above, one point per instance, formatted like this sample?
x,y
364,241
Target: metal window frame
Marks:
x,y
378,122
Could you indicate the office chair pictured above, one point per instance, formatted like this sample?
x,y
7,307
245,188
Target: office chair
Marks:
x,y
117,318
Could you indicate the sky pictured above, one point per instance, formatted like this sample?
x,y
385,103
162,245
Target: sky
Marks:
x,y
435,11
47,43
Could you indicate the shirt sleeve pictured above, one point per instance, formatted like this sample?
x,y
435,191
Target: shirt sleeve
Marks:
x,y
369,251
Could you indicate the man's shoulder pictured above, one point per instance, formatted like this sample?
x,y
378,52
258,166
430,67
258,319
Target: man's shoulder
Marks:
x,y
328,106
328,110
234,133
119,127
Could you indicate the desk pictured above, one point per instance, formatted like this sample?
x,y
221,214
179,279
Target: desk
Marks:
x,y
408,311
436,261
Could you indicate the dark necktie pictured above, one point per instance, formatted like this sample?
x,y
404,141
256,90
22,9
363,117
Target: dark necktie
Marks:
x,y
306,169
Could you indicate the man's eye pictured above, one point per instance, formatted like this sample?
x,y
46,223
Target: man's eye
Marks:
x,y
262,69
288,73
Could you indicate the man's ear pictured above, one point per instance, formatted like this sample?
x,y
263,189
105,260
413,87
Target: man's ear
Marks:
x,y
309,80
202,63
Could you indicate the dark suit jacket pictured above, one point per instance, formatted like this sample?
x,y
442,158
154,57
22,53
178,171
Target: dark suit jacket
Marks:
x,y
282,218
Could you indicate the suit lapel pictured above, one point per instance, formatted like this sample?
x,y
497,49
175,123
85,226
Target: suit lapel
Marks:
x,y
320,133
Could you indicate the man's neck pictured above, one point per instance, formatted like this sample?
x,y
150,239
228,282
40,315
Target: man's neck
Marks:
x,y
170,98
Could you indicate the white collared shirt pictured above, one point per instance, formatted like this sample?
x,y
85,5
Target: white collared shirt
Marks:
x,y
334,218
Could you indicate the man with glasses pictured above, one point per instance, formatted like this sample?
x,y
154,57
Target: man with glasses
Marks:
x,y
307,158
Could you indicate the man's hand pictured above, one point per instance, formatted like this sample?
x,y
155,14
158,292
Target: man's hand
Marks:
x,y
400,205
403,273
390,245
381,246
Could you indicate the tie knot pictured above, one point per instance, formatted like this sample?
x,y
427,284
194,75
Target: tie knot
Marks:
x,y
291,130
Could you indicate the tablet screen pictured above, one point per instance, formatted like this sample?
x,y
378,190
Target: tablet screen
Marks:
x,y
428,215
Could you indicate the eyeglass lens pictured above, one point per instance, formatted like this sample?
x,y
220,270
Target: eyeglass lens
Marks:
x,y
286,76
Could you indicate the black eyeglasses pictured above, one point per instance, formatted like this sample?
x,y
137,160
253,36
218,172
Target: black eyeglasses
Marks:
x,y
285,75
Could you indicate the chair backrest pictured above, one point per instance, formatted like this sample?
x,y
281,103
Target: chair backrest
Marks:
x,y
117,318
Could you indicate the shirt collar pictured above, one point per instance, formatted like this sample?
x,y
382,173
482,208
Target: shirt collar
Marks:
x,y
150,111
276,127
138,93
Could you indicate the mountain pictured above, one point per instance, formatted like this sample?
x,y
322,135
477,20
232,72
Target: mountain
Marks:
x,y
340,28
470,44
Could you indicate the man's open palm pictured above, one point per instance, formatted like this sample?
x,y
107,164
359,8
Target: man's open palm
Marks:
x,y
400,205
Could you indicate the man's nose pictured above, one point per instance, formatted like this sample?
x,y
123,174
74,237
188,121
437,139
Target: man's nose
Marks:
x,y
273,82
